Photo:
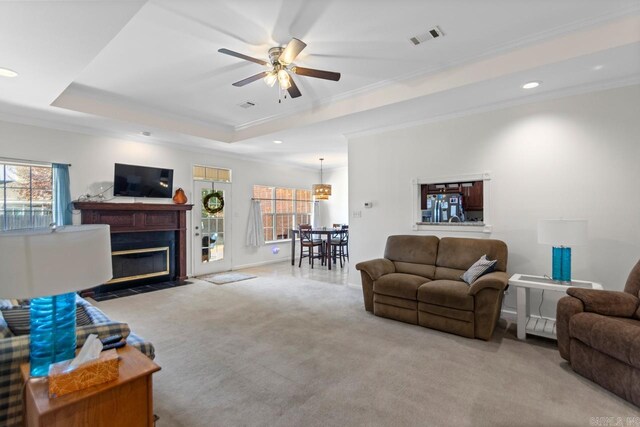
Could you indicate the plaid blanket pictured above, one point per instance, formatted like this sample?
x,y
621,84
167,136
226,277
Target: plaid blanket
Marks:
x,y
14,351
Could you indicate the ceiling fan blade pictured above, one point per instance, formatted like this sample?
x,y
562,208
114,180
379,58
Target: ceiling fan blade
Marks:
x,y
241,56
319,74
292,50
251,79
293,90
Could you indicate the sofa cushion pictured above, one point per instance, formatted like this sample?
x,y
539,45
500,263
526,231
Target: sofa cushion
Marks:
x,y
460,253
424,270
447,293
444,273
412,249
400,285
614,336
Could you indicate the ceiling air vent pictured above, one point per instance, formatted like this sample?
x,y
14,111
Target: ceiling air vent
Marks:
x,y
247,104
433,33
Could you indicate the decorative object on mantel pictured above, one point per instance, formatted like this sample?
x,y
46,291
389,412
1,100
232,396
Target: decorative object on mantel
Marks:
x,y
321,191
228,277
213,209
562,233
48,266
179,198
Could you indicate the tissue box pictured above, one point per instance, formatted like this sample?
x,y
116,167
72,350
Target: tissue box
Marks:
x,y
101,370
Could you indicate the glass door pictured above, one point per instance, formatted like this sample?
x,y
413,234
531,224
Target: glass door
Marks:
x,y
211,234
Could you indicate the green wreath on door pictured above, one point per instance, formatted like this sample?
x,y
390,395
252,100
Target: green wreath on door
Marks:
x,y
215,195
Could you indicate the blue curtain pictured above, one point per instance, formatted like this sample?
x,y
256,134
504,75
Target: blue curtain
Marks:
x,y
61,195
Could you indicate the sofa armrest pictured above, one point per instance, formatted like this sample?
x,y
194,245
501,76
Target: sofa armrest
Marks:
x,y
102,330
376,268
606,303
567,307
14,350
498,280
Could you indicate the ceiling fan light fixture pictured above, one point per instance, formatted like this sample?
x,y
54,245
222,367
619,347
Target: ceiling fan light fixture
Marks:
x,y
270,79
279,68
283,79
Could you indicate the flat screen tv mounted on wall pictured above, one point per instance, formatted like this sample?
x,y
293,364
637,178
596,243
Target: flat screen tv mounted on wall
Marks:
x,y
142,181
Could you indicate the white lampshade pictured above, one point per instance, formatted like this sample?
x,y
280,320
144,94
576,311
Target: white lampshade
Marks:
x,y
562,232
38,263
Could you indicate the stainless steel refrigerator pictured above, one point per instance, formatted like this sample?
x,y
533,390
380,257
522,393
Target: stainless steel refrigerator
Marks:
x,y
443,208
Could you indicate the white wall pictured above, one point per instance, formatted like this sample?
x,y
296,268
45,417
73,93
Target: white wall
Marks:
x,y
336,209
93,159
573,157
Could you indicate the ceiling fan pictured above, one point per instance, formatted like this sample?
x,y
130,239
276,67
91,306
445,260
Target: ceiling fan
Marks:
x,y
281,64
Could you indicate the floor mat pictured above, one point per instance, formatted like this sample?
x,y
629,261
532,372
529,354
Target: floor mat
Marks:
x,y
228,277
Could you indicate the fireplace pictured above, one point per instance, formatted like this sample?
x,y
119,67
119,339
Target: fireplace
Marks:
x,y
141,258
138,264
148,241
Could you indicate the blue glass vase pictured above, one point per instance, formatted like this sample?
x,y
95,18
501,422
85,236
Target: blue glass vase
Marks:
x,y
561,264
53,331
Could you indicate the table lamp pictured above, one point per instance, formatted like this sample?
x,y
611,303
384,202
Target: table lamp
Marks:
x,y
561,234
48,266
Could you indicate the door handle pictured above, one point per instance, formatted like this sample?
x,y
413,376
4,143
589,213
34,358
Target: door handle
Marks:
x,y
197,234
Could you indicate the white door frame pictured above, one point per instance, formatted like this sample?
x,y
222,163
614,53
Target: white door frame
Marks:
x,y
226,263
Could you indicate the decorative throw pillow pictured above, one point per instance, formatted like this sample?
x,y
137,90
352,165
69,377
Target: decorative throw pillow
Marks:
x,y
19,320
479,268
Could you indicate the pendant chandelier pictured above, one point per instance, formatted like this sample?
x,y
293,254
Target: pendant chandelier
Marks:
x,y
321,191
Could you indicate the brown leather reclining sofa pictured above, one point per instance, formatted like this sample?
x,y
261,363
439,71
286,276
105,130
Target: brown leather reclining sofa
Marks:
x,y
599,334
418,281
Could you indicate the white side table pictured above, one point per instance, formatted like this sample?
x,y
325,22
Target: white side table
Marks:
x,y
539,326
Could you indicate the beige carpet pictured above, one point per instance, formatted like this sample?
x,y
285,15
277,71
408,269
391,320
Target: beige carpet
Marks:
x,y
279,351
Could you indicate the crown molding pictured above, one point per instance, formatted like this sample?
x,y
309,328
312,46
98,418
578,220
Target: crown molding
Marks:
x,y
531,99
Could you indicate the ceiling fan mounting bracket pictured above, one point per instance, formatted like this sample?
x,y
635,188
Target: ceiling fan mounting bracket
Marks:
x,y
274,54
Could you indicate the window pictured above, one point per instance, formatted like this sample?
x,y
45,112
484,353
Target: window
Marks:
x,y
452,203
206,173
25,195
282,209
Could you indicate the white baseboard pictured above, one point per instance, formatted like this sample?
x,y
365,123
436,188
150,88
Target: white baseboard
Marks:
x,y
258,264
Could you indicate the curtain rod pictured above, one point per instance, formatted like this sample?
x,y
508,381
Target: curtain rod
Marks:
x,y
283,200
9,159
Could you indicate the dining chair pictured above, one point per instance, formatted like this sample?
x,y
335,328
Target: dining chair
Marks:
x,y
308,242
340,245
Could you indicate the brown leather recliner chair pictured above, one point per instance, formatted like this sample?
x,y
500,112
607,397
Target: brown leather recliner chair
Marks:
x,y
599,334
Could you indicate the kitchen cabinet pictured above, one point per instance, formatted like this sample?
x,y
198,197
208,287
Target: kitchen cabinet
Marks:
x,y
442,188
472,197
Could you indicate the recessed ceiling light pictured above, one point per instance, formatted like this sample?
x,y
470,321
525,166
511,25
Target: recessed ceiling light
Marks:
x,y
145,133
277,141
598,67
531,85
5,72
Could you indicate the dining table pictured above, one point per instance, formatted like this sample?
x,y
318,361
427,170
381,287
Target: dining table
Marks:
x,y
321,232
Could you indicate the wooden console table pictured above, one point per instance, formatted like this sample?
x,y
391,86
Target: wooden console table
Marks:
x,y
125,402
